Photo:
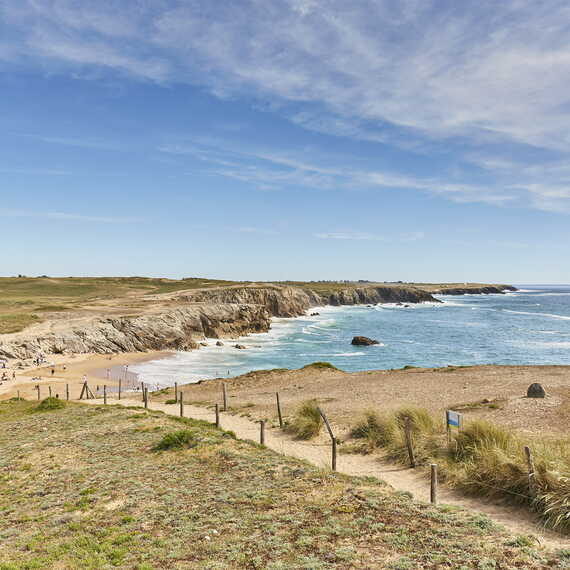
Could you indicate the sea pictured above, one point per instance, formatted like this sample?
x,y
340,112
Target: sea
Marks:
x,y
529,326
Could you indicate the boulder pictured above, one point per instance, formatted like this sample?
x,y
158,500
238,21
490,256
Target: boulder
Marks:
x,y
535,391
203,344
363,341
219,343
240,346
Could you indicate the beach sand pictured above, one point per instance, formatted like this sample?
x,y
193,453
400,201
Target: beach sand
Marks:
x,y
70,370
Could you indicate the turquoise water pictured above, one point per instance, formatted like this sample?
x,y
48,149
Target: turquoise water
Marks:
x,y
531,326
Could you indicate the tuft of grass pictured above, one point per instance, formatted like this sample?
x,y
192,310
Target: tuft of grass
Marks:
x,y
320,365
50,404
377,431
171,401
307,421
176,440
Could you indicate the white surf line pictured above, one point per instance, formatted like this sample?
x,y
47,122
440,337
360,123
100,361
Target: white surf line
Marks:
x,y
516,520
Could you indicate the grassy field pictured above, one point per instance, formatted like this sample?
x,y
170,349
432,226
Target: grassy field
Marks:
x,y
27,300
102,487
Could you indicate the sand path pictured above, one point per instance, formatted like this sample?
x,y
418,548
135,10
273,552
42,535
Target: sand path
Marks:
x,y
517,521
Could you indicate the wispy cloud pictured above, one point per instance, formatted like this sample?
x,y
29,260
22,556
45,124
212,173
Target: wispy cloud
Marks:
x,y
66,216
410,74
272,169
364,236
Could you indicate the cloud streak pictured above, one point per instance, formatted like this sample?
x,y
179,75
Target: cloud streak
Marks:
x,y
67,217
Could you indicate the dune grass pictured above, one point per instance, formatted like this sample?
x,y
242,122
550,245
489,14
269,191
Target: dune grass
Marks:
x,y
306,422
482,459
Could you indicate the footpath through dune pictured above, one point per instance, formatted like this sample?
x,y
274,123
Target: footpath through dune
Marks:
x,y
518,521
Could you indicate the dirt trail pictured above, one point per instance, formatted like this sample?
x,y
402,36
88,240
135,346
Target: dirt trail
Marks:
x,y
516,520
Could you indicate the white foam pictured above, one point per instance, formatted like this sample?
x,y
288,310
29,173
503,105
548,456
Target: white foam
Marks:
x,y
548,315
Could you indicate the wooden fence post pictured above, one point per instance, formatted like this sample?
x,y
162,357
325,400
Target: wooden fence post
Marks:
x,y
18,395
225,396
333,439
49,390
262,432
531,475
67,391
217,416
279,410
38,389
176,391
433,489
120,386
409,442
145,396
104,393
181,404
143,387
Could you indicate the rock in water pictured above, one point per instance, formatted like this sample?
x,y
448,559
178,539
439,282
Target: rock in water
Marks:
x,y
240,346
219,343
535,391
363,341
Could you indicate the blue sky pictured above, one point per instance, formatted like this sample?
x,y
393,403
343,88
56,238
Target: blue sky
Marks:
x,y
286,139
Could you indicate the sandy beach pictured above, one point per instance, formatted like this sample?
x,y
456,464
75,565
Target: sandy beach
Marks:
x,y
71,370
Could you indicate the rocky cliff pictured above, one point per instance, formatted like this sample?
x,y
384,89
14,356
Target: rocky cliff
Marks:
x,y
175,329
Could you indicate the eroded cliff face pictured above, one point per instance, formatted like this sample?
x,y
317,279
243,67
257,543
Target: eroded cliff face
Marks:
x,y
373,295
279,301
177,329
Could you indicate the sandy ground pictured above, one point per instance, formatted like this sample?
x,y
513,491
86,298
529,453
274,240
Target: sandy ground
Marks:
x,y
518,521
71,370
345,396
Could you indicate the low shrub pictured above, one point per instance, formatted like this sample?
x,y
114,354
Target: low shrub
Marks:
x,y
307,421
50,404
176,440
171,401
320,365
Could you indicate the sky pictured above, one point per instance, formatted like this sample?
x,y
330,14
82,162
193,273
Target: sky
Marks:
x,y
409,140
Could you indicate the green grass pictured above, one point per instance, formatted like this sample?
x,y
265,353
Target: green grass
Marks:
x,y
81,487
50,404
483,459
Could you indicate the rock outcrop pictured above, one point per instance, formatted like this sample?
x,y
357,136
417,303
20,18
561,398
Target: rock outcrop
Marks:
x,y
363,341
535,391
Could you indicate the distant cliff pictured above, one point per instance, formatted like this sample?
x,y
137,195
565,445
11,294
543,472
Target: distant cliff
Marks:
x,y
177,321
475,290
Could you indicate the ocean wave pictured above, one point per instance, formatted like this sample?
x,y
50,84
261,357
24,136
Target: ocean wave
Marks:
x,y
548,315
349,354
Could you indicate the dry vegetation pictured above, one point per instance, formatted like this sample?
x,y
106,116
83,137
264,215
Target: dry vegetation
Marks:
x,y
483,459
103,486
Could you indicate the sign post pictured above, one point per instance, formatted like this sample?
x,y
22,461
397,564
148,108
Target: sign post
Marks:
x,y
452,419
